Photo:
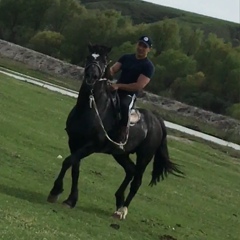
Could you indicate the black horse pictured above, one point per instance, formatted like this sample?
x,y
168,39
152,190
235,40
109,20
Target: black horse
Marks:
x,y
92,126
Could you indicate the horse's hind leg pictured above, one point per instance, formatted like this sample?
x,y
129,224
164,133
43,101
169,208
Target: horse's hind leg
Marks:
x,y
58,184
73,196
129,167
142,162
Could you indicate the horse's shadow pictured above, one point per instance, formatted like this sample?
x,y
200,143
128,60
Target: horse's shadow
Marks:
x,y
24,194
39,198
95,210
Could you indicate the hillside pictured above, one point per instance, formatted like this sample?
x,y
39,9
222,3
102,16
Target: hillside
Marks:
x,y
145,12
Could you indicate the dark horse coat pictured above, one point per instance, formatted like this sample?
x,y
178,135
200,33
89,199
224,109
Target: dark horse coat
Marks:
x,y
93,123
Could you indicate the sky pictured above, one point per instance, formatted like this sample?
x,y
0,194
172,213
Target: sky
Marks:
x,y
222,9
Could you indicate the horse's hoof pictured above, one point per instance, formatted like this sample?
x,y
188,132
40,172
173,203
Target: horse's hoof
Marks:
x,y
67,204
116,215
52,198
121,213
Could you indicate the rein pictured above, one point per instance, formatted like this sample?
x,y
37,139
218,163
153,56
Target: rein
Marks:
x,y
92,104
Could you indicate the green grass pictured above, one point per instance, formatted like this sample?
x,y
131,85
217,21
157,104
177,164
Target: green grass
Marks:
x,y
204,205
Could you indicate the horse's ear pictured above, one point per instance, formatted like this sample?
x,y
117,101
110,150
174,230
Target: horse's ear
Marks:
x,y
90,47
109,49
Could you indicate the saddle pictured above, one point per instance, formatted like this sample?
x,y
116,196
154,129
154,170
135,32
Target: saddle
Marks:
x,y
134,113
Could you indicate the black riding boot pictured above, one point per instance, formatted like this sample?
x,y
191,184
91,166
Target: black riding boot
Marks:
x,y
122,135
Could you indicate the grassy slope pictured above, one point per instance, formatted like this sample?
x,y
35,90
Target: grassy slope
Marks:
x,y
146,12
32,120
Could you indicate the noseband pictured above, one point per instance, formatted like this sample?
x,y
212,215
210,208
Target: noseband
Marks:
x,y
102,71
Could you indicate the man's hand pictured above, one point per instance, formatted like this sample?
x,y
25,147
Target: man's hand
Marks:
x,y
132,87
113,87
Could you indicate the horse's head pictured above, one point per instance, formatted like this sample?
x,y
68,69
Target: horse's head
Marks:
x,y
96,64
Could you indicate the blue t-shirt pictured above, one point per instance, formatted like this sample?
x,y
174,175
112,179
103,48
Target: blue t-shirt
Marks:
x,y
132,68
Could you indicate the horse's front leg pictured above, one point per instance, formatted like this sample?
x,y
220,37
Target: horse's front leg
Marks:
x,y
76,162
58,184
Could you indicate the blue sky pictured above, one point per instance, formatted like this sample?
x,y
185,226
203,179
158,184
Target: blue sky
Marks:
x,y
222,9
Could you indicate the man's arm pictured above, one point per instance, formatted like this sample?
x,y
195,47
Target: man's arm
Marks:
x,y
115,68
132,87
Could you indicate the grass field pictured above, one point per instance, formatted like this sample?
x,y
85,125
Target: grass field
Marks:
x,y
204,205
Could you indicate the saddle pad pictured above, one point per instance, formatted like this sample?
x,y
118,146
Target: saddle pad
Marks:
x,y
135,116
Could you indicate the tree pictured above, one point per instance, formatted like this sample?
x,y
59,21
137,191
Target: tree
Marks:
x,y
211,60
232,86
191,40
20,19
165,35
11,18
188,88
34,13
124,48
234,111
96,27
47,42
61,13
156,84
174,64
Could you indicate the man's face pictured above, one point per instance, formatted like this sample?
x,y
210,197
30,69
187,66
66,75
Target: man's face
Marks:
x,y
142,49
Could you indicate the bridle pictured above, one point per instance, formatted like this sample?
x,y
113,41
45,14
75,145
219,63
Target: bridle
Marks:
x,y
92,102
101,70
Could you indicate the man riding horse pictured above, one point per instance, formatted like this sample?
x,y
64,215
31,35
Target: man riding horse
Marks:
x,y
91,126
136,72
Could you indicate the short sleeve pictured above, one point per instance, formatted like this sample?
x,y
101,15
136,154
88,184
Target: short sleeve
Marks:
x,y
148,70
122,59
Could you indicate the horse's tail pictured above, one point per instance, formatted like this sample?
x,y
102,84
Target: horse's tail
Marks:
x,y
162,165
